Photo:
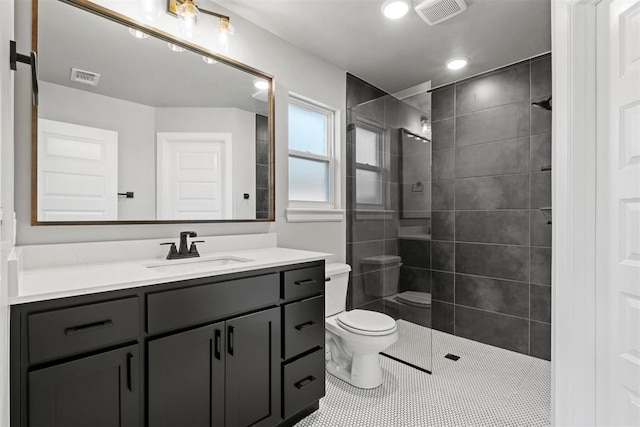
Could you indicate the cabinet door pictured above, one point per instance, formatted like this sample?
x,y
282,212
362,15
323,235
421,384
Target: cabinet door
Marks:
x,y
186,378
100,390
253,369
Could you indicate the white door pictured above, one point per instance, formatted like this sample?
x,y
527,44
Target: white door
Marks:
x,y
77,172
194,176
618,213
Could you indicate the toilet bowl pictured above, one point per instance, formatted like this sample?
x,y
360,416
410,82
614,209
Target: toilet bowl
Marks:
x,y
354,338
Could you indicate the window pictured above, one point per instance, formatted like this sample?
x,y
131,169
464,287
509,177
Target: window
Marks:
x,y
311,154
369,165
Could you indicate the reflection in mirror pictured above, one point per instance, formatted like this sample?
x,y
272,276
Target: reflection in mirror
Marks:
x,y
415,200
134,128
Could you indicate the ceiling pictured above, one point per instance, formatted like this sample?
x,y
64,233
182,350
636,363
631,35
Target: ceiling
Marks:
x,y
395,55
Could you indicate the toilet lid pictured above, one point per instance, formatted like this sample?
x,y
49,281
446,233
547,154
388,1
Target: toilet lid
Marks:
x,y
365,322
420,299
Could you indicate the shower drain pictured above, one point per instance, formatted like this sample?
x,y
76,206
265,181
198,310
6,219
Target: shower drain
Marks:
x,y
452,357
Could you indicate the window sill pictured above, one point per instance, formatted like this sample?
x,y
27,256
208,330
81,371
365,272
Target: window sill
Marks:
x,y
374,214
314,215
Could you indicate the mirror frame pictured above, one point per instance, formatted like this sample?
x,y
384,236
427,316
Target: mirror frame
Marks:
x,y
109,14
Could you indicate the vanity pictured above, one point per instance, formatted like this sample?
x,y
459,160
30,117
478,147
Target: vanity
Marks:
x,y
240,345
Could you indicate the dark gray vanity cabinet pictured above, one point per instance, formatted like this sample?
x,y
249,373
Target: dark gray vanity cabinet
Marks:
x,y
99,390
236,350
225,374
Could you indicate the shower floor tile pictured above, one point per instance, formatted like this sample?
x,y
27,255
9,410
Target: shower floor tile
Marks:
x,y
487,386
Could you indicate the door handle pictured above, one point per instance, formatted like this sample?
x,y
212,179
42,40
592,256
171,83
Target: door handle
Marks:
x,y
218,343
230,341
129,373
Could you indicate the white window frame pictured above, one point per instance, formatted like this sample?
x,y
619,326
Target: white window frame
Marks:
x,y
379,169
315,211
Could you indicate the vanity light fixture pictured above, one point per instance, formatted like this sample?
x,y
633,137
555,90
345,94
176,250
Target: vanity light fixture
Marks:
x,y
188,14
175,47
138,34
395,9
261,84
209,60
426,126
457,63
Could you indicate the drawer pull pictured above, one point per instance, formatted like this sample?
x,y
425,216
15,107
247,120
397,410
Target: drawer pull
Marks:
x,y
305,382
88,327
305,325
218,343
304,282
327,279
230,343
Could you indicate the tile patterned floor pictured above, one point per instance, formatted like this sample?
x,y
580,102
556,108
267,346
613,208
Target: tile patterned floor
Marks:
x,y
488,386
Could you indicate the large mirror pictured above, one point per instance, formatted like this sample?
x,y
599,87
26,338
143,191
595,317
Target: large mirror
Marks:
x,y
144,129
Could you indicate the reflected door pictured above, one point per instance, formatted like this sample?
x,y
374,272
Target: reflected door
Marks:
x,y
77,172
194,176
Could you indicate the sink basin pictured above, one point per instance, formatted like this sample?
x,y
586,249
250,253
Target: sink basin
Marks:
x,y
194,265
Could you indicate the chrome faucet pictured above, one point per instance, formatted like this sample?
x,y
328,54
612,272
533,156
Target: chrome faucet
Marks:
x,y
184,252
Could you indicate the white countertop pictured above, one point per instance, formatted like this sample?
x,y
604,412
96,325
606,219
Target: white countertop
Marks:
x,y
39,283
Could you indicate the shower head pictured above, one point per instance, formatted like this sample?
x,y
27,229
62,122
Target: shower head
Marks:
x,y
546,104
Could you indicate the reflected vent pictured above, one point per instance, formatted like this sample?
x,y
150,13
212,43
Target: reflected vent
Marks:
x,y
436,11
85,77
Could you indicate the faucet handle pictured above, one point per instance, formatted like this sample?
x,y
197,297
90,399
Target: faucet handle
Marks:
x,y
172,249
193,249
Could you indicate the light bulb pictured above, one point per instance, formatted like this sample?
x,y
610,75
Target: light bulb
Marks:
x,y
188,15
226,30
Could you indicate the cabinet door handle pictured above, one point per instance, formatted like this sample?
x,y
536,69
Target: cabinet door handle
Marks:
x,y
304,382
218,343
305,325
230,344
88,327
304,282
129,368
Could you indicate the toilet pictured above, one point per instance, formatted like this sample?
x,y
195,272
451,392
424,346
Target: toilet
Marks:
x,y
354,338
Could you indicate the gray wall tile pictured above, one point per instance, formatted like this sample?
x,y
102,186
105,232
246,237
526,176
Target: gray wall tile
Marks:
x,y
442,286
442,256
360,296
500,296
540,189
505,122
415,253
500,330
414,279
508,227
540,336
442,316
391,247
442,195
540,296
541,265
442,103
262,152
495,158
443,134
540,230
363,250
540,152
501,192
541,77
540,119
365,230
502,262
443,165
492,90
262,176
442,225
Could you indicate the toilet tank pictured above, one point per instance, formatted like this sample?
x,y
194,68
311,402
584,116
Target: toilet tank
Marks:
x,y
382,274
335,291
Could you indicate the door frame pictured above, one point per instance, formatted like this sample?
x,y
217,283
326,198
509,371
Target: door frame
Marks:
x,y
163,139
574,338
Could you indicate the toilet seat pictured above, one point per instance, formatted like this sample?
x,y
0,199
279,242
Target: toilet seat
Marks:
x,y
366,322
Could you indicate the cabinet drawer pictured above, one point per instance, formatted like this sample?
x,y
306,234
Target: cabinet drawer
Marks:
x,y
75,330
303,326
303,382
198,304
302,282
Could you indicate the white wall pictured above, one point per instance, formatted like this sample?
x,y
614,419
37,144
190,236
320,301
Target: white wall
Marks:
x,y
6,196
136,139
294,70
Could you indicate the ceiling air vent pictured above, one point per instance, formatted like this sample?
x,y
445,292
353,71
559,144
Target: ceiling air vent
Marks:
x,y
84,77
436,11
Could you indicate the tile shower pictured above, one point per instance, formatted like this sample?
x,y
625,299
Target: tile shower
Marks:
x,y
488,263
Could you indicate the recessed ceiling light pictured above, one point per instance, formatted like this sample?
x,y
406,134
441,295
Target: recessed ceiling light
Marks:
x,y
261,84
138,34
457,63
394,9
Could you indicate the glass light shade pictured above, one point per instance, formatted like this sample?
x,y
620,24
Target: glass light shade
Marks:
x,y
188,16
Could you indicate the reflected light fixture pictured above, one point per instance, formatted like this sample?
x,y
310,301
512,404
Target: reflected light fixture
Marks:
x,y
395,9
426,127
188,14
175,47
261,84
209,60
138,34
457,63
